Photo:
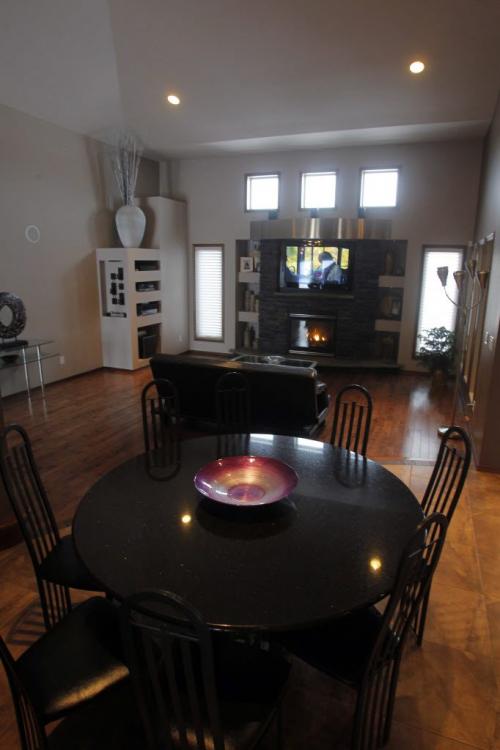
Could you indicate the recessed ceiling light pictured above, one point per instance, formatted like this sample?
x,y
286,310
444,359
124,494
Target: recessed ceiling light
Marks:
x,y
173,99
417,67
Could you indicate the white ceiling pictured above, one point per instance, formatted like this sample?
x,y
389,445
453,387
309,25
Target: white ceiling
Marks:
x,y
253,75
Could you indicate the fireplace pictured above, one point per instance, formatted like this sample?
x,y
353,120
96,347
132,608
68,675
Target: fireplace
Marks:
x,y
311,333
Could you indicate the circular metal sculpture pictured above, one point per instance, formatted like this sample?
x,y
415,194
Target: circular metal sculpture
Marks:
x,y
18,313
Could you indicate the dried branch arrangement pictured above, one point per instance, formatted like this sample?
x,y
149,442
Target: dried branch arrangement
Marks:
x,y
125,161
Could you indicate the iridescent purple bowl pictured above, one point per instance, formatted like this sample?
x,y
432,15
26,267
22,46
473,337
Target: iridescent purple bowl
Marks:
x,y
246,481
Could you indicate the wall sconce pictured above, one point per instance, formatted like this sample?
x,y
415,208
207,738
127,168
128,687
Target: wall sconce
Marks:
x,y
442,272
482,277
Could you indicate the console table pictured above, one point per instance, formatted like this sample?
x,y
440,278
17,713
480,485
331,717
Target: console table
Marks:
x,y
24,354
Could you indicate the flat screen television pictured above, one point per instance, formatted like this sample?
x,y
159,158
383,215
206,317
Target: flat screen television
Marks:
x,y
316,266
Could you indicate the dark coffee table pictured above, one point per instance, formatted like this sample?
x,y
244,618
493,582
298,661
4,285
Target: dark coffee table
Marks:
x,y
331,547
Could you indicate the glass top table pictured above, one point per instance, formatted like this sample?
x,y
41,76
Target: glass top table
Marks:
x,y
23,352
332,546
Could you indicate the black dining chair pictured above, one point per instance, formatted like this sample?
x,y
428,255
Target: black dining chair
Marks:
x,y
69,667
161,420
443,492
364,649
195,690
352,418
233,444
56,564
232,403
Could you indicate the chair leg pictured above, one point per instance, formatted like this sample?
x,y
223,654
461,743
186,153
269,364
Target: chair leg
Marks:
x,y
390,703
279,727
421,618
359,719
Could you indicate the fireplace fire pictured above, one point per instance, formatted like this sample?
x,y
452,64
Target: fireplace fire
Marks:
x,y
312,333
316,336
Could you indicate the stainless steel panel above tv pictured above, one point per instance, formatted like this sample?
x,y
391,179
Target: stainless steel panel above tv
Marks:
x,y
321,229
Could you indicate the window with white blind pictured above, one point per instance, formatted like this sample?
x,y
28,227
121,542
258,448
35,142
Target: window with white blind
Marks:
x,y
435,309
209,292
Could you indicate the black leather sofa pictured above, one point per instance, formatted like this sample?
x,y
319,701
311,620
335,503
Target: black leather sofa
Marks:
x,y
285,400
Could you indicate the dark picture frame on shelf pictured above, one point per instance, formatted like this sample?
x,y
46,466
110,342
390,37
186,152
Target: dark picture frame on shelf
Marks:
x,y
246,264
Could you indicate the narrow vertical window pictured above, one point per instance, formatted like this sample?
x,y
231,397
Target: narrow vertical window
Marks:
x,y
435,310
209,292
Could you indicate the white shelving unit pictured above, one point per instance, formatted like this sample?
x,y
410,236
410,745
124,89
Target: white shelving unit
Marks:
x,y
154,289
130,297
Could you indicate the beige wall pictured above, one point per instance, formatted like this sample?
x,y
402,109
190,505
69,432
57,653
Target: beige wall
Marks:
x,y
485,423
438,195
59,181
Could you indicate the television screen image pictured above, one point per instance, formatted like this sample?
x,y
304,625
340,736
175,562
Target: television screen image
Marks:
x,y
313,267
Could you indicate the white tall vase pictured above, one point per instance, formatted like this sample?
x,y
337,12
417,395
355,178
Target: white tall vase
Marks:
x,y
130,225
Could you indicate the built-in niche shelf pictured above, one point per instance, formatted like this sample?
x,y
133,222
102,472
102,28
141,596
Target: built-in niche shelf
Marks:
x,y
248,316
392,326
386,346
147,320
247,297
390,303
146,266
391,281
249,277
391,288
393,260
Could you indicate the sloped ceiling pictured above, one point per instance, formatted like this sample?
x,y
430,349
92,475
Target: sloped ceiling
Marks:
x,y
253,74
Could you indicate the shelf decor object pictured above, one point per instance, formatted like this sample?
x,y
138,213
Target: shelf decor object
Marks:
x,y
130,219
479,281
246,264
246,481
13,322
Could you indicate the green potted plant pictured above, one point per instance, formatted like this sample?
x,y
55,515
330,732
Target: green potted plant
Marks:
x,y
437,352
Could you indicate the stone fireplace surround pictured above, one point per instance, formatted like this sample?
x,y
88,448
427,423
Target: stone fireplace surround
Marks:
x,y
355,311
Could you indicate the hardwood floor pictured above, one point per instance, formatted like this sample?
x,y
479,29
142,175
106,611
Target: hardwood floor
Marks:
x,y
448,697
406,412
91,423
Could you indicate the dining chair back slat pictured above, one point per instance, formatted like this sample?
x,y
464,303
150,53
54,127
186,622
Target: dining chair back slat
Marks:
x,y
161,421
449,474
31,733
377,690
31,507
443,492
352,419
171,660
232,404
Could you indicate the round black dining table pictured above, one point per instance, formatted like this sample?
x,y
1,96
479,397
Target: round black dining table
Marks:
x,y
329,548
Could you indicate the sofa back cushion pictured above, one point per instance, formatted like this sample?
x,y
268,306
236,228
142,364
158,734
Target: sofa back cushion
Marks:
x,y
282,399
